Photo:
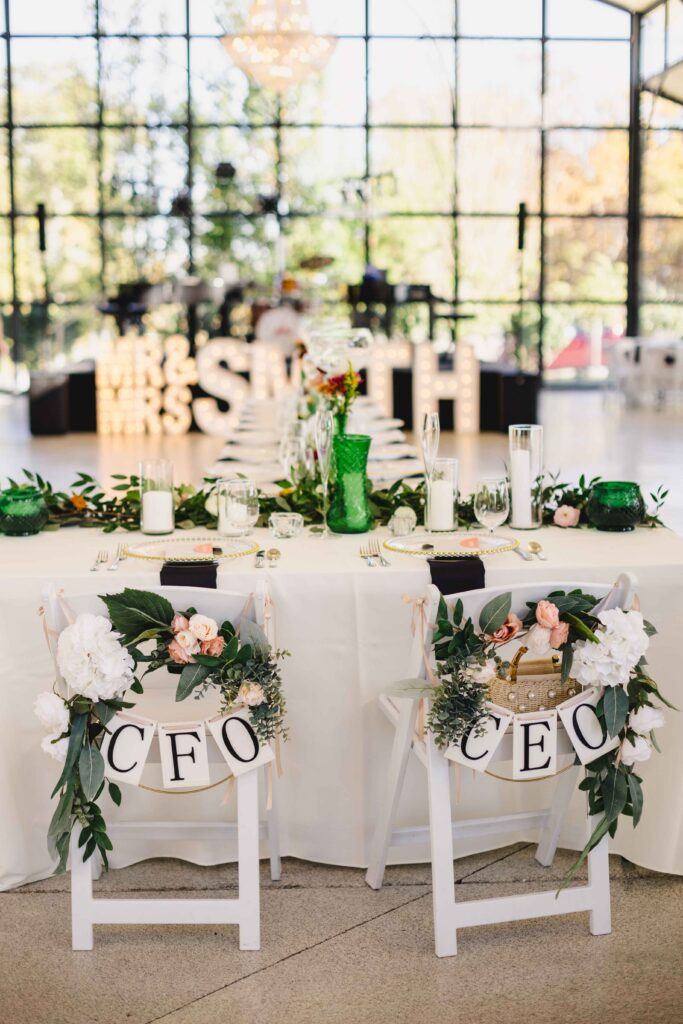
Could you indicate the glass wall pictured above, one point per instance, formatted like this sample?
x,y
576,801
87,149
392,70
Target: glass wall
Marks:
x,y
432,122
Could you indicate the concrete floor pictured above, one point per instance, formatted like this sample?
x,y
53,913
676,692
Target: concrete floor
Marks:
x,y
334,952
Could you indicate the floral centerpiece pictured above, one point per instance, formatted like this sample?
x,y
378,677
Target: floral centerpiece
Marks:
x,y
340,391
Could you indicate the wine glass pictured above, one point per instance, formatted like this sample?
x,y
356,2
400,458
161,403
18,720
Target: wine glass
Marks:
x,y
492,502
429,439
324,432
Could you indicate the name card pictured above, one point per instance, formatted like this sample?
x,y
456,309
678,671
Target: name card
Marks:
x,y
476,751
587,733
534,745
238,743
125,748
184,755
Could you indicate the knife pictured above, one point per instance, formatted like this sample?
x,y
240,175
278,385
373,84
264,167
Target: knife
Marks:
x,y
523,554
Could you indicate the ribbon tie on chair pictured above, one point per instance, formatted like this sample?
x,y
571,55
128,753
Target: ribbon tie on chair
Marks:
x,y
419,617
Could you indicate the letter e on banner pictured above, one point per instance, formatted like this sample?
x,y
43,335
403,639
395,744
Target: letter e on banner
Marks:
x,y
184,755
239,744
588,734
534,745
125,748
476,751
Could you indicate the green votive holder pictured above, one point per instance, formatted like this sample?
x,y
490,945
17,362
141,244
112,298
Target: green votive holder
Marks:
x,y
615,505
22,511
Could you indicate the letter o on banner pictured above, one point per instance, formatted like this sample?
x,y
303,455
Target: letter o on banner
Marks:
x,y
586,732
239,744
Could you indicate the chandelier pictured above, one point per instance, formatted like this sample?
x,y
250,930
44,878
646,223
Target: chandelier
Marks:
x,y
277,47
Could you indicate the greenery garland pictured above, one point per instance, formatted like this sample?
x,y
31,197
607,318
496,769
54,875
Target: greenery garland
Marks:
x,y
467,661
87,504
239,664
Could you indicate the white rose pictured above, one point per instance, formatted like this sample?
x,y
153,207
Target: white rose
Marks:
x,y
251,694
92,660
203,627
645,719
482,674
57,750
211,504
537,640
188,641
52,712
638,751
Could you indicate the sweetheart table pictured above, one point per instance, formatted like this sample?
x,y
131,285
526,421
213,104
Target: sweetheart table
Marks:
x,y
348,631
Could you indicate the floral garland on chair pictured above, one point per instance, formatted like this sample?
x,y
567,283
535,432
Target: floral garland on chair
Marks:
x,y
604,649
99,659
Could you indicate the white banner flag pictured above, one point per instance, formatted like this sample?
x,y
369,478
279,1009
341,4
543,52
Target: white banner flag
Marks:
x,y
184,755
238,743
534,745
587,733
476,751
126,746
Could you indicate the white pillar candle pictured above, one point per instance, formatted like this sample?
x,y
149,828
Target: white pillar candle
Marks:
x,y
157,512
520,485
441,505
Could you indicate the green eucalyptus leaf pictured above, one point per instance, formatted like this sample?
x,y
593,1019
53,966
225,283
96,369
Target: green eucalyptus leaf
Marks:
x,y
190,678
90,770
494,613
615,706
614,791
78,724
636,794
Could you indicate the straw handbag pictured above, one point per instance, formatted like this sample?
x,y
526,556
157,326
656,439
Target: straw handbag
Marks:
x,y
532,685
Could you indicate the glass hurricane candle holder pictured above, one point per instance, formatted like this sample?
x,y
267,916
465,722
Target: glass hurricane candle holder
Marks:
x,y
526,465
156,497
615,505
22,511
442,496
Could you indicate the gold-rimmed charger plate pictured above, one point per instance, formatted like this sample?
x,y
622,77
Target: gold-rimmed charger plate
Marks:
x,y
184,549
452,545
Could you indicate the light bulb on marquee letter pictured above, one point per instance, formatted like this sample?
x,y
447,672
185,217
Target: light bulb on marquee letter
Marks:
x,y
221,383
383,357
460,385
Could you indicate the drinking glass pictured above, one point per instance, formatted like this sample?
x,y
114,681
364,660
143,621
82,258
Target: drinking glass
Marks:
x,y
492,502
238,507
429,439
156,497
324,432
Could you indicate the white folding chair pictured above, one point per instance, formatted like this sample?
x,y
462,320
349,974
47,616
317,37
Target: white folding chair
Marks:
x,y
402,712
243,911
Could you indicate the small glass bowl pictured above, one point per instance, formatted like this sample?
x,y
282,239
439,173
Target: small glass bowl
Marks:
x,y
615,505
22,511
285,525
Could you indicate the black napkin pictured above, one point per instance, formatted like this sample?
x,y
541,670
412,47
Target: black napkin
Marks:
x,y
189,574
455,575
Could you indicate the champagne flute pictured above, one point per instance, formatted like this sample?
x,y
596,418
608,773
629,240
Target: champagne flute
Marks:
x,y
324,432
429,439
492,502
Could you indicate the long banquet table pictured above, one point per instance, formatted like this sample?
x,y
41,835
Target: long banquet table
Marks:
x,y
348,632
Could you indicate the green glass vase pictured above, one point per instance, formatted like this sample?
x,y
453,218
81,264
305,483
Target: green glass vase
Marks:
x,y
22,511
615,505
349,511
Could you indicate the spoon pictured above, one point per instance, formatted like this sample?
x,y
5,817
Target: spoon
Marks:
x,y
272,554
427,547
536,549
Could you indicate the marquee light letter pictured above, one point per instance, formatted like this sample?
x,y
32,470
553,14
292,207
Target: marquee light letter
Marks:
x,y
223,383
384,356
460,385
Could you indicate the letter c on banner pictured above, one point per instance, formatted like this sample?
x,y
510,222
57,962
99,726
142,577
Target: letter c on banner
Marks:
x,y
113,740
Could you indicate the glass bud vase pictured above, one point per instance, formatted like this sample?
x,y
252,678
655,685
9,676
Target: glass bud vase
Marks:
x,y
349,511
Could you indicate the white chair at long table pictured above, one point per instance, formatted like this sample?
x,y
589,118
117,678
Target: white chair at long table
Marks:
x,y
402,712
244,911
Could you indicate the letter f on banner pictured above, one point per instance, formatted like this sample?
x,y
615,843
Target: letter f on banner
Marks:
x,y
184,755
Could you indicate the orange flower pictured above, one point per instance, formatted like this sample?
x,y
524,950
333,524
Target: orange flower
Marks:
x,y
78,502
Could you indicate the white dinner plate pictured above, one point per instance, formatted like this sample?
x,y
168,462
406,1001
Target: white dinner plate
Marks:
x,y
455,545
185,549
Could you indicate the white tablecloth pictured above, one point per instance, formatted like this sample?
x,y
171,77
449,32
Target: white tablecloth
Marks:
x,y
348,632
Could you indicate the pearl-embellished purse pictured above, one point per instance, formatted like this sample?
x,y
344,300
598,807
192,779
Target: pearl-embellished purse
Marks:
x,y
532,685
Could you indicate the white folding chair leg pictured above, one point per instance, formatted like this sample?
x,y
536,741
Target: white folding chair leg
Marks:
x,y
550,833
248,862
441,839
403,738
81,896
598,881
273,828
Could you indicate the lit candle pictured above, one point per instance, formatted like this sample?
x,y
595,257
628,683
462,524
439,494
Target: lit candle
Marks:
x,y
520,485
441,505
157,512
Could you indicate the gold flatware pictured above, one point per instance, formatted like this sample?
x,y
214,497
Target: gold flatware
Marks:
x,y
368,556
536,549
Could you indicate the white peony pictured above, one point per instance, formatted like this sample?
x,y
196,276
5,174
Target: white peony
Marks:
x,y
479,673
57,750
52,713
645,719
92,660
537,640
203,627
631,752
188,641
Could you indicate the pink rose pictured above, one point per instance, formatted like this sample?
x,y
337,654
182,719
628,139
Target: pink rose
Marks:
x,y
179,654
507,631
213,647
559,635
566,515
178,623
547,615
251,694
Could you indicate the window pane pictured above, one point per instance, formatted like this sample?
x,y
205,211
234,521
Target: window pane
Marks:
x,y
428,18
489,259
143,170
331,16
660,113
498,170
662,188
57,167
499,83
5,264
653,42
417,168
587,83
221,92
500,17
662,259
4,173
131,16
246,244
144,80
66,16
587,172
415,250
54,84
341,239
252,154
69,279
586,18
336,95
586,259
317,162
661,319
503,333
411,82
151,248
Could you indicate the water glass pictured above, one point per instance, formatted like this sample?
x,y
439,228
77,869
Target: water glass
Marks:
x,y
285,525
492,502
156,497
238,507
324,432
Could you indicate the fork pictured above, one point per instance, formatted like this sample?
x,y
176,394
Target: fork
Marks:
x,y
368,556
100,561
120,557
376,551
